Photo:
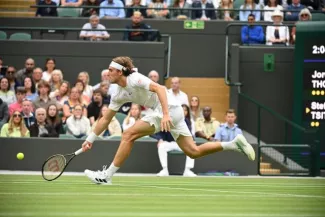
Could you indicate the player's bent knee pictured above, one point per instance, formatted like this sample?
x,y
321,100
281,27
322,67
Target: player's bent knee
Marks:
x,y
129,135
193,153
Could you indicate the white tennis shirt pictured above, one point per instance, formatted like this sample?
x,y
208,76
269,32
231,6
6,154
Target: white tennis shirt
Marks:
x,y
137,91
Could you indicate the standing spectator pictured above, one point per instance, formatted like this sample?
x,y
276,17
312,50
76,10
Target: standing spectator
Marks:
x,y
88,33
4,114
93,109
6,94
207,126
15,127
157,9
250,5
137,24
229,130
277,34
224,14
88,90
78,125
56,79
114,127
252,33
136,5
132,117
74,3
182,13
87,12
74,99
104,77
80,85
201,13
43,100
53,119
271,5
40,128
27,113
196,111
25,72
17,106
37,76
304,15
11,76
154,76
111,12
62,94
30,89
175,90
49,68
292,10
46,11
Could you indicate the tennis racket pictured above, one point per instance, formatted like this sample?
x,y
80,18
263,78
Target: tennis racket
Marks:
x,y
55,165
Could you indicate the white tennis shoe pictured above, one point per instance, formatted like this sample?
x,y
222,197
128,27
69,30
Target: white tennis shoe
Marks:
x,y
244,147
99,177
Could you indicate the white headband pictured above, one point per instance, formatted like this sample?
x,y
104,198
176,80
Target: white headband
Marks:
x,y
116,65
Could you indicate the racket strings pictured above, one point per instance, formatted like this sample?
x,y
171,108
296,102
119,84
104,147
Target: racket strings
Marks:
x,y
54,167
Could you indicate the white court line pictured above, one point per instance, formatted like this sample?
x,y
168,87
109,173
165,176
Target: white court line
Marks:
x,y
154,214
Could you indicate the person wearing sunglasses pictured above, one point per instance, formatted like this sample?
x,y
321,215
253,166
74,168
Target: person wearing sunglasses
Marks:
x,y
304,15
15,127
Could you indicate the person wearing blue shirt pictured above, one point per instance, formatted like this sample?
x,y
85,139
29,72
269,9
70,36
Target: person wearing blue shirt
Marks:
x,y
229,130
252,34
292,13
111,12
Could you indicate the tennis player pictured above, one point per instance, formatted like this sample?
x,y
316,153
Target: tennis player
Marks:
x,y
168,115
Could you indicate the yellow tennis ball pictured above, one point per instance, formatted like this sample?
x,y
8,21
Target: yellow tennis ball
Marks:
x,y
20,156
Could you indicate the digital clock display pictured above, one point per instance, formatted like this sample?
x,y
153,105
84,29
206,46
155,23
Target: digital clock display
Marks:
x,y
315,49
318,49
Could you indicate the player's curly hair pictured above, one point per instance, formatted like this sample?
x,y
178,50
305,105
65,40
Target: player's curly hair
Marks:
x,y
127,62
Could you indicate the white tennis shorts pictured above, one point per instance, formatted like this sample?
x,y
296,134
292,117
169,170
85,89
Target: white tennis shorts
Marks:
x,y
176,113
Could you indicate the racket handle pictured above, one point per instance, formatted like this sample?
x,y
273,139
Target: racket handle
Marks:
x,y
78,151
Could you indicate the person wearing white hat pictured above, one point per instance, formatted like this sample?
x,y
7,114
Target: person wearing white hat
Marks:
x,y
277,34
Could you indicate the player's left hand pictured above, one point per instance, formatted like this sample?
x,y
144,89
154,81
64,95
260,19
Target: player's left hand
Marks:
x,y
166,123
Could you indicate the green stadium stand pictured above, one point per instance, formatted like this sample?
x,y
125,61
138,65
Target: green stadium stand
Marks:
x,y
68,12
120,117
318,17
146,138
20,36
66,136
200,140
3,35
176,152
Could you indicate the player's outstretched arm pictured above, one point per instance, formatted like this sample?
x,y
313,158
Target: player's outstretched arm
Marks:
x,y
100,127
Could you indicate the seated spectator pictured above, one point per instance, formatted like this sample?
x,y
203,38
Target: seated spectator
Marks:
x,y
25,72
87,12
30,89
49,68
304,15
229,130
56,79
271,5
78,125
252,33
196,111
4,114
6,94
277,34
176,91
44,100
15,127
46,11
62,94
81,87
207,126
73,100
40,128
202,13
53,119
88,90
250,5
189,119
316,5
132,117
137,24
11,76
104,88
93,109
104,77
292,10
18,105
88,33
75,3
57,2
166,143
224,14
153,12
27,113
111,12
135,5
154,76
181,13
37,76
114,127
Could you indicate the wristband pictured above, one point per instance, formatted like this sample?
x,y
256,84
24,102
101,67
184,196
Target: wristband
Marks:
x,y
91,138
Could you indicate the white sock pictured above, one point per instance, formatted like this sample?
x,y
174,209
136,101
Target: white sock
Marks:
x,y
228,145
111,170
